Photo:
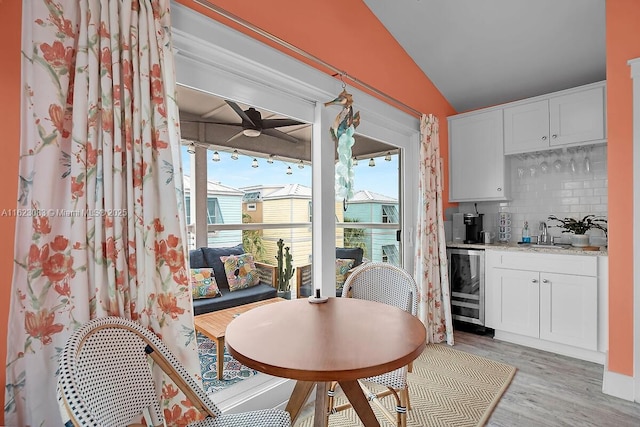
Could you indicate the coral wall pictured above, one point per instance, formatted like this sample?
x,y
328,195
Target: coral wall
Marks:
x,y
623,33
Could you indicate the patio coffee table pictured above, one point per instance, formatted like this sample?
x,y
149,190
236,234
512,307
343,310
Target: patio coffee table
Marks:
x,y
214,326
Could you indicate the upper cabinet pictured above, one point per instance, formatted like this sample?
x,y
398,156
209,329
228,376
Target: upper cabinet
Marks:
x,y
479,141
567,118
476,157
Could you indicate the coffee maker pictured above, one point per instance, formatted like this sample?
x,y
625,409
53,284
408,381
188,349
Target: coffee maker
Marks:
x,y
473,227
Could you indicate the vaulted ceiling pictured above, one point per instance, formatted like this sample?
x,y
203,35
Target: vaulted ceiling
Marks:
x,y
485,52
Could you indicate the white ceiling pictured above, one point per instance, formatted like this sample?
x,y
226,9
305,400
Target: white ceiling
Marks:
x,y
485,52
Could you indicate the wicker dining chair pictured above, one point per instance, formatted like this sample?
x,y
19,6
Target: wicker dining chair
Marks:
x,y
388,284
105,379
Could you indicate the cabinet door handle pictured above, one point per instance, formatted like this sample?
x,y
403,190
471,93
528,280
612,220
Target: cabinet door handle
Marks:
x,y
534,280
544,138
554,136
499,188
545,280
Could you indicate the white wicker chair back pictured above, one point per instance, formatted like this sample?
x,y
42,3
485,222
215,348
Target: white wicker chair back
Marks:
x,y
385,283
105,379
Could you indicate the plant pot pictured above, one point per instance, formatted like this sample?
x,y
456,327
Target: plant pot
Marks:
x,y
284,294
579,240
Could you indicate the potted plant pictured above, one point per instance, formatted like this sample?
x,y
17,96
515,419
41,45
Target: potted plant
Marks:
x,y
285,270
580,227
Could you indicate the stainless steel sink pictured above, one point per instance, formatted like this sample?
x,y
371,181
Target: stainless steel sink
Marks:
x,y
535,245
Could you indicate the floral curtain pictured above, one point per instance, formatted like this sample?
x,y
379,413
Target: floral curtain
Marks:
x,y
100,227
434,308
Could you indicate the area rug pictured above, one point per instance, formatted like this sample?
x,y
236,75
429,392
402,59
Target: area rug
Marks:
x,y
447,388
234,372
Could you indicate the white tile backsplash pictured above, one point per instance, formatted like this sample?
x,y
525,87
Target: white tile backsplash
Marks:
x,y
560,191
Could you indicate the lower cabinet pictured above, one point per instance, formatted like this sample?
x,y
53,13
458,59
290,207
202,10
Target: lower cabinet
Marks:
x,y
569,310
556,307
543,298
513,300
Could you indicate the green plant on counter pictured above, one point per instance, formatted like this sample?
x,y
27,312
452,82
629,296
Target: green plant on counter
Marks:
x,y
589,222
285,270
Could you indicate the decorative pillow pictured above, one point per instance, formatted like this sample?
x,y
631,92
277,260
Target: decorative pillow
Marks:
x,y
343,265
212,259
241,271
203,283
347,253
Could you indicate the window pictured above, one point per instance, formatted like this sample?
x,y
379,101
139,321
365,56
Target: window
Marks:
x,y
389,214
390,254
187,203
214,215
371,219
252,196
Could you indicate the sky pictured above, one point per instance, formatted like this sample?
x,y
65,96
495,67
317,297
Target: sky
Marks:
x,y
381,179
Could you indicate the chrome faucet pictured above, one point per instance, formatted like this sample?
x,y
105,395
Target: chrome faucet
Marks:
x,y
542,235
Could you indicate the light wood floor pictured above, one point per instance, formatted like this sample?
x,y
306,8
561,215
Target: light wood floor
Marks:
x,y
548,390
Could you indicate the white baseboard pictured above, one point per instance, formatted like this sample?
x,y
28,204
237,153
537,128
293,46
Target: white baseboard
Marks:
x,y
565,350
258,392
618,385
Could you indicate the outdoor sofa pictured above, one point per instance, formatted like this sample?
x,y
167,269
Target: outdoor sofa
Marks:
x,y
210,258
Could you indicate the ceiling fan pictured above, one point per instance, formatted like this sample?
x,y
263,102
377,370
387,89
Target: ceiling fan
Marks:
x,y
253,125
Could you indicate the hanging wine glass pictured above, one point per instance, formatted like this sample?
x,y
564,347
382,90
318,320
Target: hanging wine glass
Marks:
x,y
586,162
533,166
544,165
520,169
557,164
572,163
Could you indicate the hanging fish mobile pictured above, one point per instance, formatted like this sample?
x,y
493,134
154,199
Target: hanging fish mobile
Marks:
x,y
342,132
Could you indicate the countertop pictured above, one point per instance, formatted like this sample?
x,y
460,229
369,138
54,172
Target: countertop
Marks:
x,y
528,248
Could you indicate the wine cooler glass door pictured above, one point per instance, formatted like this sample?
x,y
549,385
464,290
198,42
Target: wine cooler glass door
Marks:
x,y
466,279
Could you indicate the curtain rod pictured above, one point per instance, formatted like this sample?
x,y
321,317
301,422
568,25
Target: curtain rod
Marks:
x,y
304,54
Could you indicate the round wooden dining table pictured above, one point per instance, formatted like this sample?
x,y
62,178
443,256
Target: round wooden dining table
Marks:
x,y
343,340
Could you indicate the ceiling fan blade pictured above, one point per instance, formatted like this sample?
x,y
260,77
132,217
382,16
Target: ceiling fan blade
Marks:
x,y
207,122
277,134
274,123
240,112
237,135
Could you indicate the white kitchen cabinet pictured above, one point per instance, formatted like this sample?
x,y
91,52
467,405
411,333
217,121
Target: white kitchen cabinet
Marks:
x,y
569,309
547,301
526,127
562,119
577,117
476,157
515,302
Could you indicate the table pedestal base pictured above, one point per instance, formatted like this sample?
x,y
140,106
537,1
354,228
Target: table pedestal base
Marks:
x,y
352,391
